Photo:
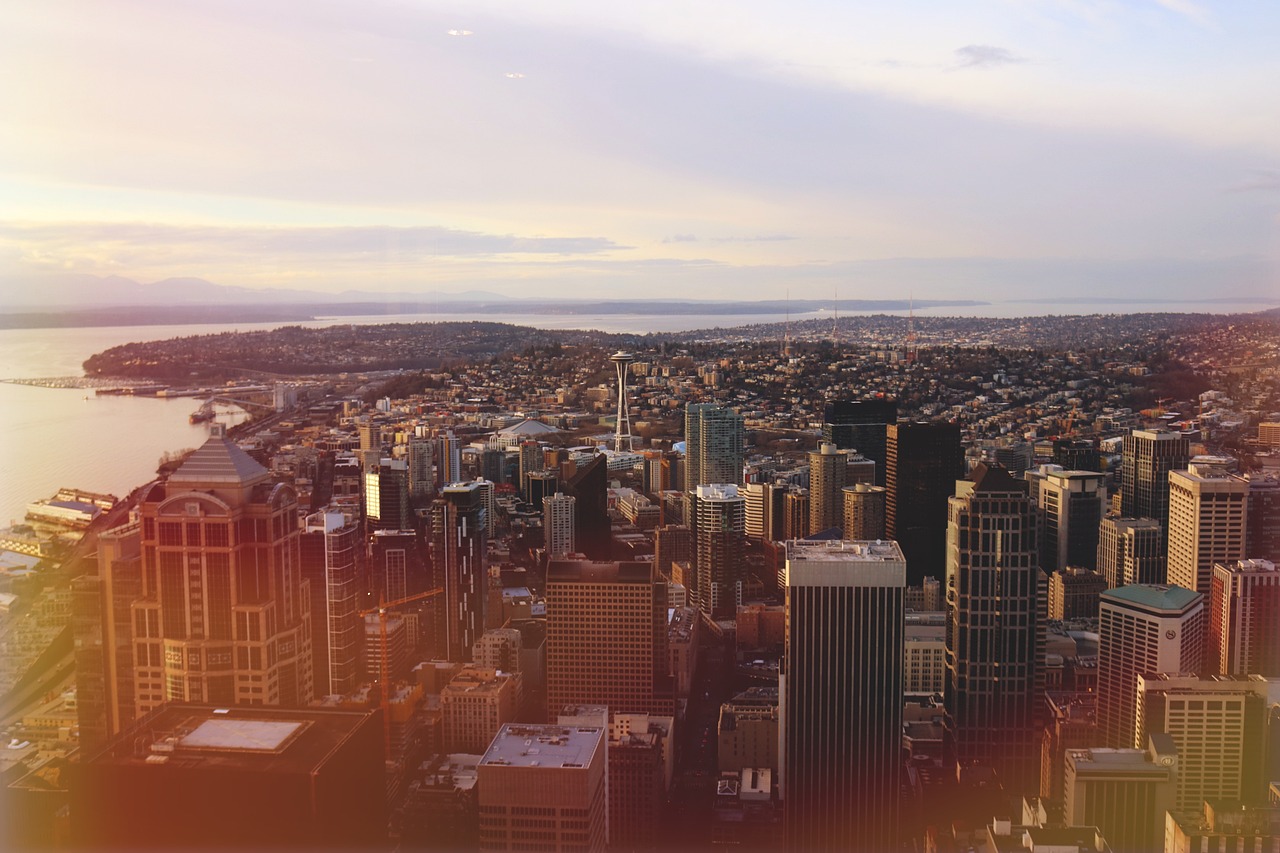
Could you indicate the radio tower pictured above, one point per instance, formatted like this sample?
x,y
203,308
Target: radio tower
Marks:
x,y
786,337
621,360
835,320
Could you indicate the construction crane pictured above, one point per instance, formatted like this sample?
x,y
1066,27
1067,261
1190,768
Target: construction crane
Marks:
x,y
383,666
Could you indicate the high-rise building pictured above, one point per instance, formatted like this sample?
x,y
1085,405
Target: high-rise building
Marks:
x,y
1071,504
1077,454
386,495
841,694
719,514
458,554
607,637
827,468
764,510
1207,511
396,565
1123,792
795,514
1131,551
1224,825
544,786
591,528
557,524
1015,456
1218,724
861,425
530,461
1143,629
330,548
923,462
864,512
420,458
925,653
1244,619
475,704
539,485
1262,530
213,777
672,543
994,626
1073,593
1071,723
713,438
1148,457
448,458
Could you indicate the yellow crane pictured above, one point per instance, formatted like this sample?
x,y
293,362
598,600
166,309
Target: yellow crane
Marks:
x,y
384,675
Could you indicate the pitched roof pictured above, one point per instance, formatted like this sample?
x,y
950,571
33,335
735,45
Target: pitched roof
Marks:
x,y
990,477
220,461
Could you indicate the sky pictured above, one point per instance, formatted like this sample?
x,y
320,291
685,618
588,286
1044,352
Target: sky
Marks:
x,y
1009,149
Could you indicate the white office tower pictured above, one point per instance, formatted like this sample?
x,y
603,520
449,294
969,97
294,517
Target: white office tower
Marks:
x,y
1207,513
557,524
841,694
1143,629
719,514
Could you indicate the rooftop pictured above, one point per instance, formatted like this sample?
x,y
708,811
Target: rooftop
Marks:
x,y
523,745
1156,596
220,461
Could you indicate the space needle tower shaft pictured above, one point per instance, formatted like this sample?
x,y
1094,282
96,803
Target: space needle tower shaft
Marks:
x,y
622,437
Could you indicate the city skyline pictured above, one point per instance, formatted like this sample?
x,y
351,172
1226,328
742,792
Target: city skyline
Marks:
x,y
1106,149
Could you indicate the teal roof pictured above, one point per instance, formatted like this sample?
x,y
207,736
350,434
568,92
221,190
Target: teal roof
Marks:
x,y
1158,596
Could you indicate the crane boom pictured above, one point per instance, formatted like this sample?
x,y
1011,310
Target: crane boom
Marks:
x,y
384,678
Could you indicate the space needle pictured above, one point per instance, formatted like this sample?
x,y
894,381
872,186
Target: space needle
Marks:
x,y
621,360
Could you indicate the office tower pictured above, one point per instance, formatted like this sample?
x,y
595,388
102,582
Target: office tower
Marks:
x,y
530,461
370,436
713,439
923,461
1224,825
1077,454
795,514
925,653
993,625
552,774
213,777
1262,530
1206,523
861,425
672,543
1131,551
1015,457
557,524
386,496
421,463
719,514
330,546
765,511
859,469
540,485
826,481
1148,457
475,704
386,648
1074,593
396,565
747,731
1244,619
221,587
448,459
622,435
1123,792
607,637
1071,504
488,499
458,554
640,759
651,471
841,694
1218,725
1143,629
864,512
591,528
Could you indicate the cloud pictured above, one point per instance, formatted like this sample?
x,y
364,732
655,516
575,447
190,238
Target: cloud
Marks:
x,y
1262,180
681,238
1189,10
759,238
986,56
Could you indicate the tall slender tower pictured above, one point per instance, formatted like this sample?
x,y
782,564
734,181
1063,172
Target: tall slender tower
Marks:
x,y
557,524
1244,619
1071,505
1207,514
841,694
719,514
923,463
994,616
620,361
458,552
713,445
827,467
330,549
1149,455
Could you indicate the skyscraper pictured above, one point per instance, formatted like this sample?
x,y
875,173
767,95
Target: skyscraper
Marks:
x,y
861,425
1143,629
607,637
923,462
458,552
713,445
994,626
1131,551
1148,457
1071,504
386,495
530,461
448,459
719,514
421,468
1262,531
1207,509
826,483
1077,454
330,546
864,512
841,690
223,604
1123,792
1244,619
557,524
591,527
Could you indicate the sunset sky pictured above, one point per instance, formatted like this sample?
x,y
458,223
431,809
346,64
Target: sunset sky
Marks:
x,y
601,149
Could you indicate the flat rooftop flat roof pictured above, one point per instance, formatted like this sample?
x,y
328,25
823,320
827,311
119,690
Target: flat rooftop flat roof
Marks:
x,y
518,745
242,735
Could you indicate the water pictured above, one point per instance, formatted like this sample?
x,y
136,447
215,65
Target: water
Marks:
x,y
55,437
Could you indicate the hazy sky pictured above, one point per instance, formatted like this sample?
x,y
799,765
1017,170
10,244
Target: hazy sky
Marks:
x,y
605,149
